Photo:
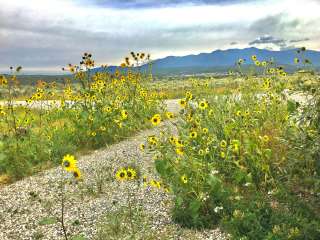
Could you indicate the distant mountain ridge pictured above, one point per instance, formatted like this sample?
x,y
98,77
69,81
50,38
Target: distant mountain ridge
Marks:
x,y
230,56
221,60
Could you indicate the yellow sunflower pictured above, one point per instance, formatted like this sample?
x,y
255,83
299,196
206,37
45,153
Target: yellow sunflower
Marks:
x,y
223,144
172,140
142,147
131,174
144,180
156,184
193,134
184,179
180,151
203,104
183,103
69,163
265,138
124,114
121,175
179,143
76,173
201,152
169,115
107,109
153,140
3,80
188,95
156,119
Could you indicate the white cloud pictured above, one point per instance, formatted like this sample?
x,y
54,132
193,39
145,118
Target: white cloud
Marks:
x,y
37,27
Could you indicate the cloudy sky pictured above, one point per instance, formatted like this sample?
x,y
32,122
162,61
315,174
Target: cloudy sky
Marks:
x,y
44,35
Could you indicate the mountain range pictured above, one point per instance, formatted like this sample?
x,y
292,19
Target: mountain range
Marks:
x,y
223,60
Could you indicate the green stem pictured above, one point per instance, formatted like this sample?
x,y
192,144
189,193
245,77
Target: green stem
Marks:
x,y
62,211
130,211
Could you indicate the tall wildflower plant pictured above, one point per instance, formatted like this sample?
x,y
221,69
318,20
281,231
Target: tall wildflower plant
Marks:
x,y
230,162
69,164
92,109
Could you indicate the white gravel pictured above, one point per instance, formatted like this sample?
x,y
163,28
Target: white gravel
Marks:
x,y
28,206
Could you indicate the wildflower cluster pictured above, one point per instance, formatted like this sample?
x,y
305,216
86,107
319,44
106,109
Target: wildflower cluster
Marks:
x,y
126,174
91,109
230,153
69,163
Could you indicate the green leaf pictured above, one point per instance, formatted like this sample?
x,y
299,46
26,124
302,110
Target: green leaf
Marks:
x,y
214,183
240,177
76,222
179,201
292,106
268,153
194,208
258,151
265,168
161,166
2,156
48,221
78,237
249,178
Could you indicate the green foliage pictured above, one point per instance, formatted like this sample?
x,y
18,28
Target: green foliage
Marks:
x,y
78,237
95,110
243,161
115,225
48,221
260,217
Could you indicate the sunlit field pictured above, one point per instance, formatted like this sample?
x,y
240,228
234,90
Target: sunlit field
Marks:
x,y
238,153
159,120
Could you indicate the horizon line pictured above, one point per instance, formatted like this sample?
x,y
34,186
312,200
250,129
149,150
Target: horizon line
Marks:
x,y
53,71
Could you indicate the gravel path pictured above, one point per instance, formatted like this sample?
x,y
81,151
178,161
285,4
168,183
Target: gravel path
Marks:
x,y
29,208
